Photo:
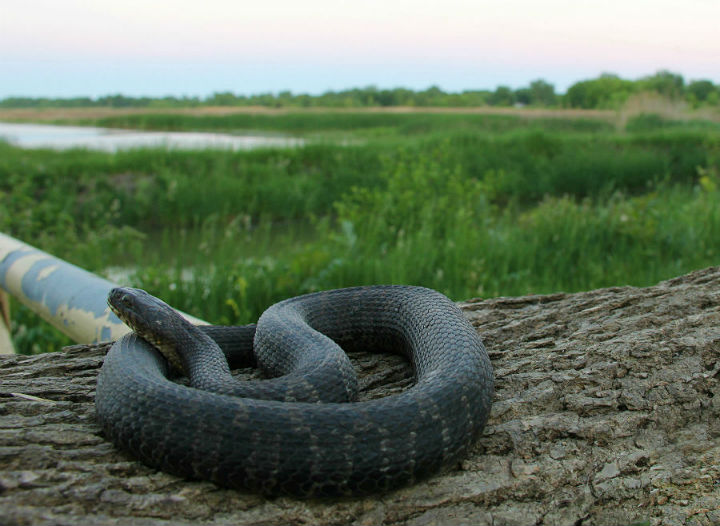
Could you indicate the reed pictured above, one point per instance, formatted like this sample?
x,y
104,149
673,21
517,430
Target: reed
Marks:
x,y
506,210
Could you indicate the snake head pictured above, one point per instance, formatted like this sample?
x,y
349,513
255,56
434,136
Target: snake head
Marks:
x,y
134,306
151,318
144,313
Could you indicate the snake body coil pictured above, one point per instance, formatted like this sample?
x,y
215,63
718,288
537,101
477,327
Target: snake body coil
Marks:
x,y
281,441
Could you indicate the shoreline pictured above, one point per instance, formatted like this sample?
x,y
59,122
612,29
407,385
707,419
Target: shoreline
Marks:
x,y
43,114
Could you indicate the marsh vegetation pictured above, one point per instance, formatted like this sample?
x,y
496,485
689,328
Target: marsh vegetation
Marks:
x,y
471,205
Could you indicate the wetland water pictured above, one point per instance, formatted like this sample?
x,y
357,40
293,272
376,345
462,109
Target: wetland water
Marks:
x,y
111,140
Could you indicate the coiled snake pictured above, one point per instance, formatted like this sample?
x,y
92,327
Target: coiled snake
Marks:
x,y
275,436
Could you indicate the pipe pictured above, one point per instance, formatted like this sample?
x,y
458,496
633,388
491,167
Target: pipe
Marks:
x,y
71,299
6,345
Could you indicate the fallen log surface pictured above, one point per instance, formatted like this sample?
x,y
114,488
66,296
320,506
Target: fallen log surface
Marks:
x,y
607,411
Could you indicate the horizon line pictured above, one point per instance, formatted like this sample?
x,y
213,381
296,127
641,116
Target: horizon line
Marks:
x,y
367,87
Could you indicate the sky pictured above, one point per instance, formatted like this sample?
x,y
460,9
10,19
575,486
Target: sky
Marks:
x,y
190,48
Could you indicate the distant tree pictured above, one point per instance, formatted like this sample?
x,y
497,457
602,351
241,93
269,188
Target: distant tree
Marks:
x,y
367,96
387,97
606,91
475,97
542,93
577,95
264,99
603,92
304,100
523,96
700,89
225,98
502,96
121,101
404,96
665,83
19,102
284,98
433,95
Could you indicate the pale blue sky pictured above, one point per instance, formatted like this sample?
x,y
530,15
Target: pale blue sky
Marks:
x,y
183,47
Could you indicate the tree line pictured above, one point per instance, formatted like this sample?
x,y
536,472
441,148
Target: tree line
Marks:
x,y
608,91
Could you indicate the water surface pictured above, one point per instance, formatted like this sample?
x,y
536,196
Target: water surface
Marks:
x,y
111,140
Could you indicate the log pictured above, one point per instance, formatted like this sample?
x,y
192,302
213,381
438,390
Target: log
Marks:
x,y
607,411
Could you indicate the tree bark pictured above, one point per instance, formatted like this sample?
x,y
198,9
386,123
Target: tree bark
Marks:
x,y
607,411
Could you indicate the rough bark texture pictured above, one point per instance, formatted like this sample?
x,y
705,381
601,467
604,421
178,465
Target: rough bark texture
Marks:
x,y
607,411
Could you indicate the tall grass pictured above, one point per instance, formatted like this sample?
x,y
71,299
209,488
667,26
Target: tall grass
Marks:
x,y
224,234
561,244
432,225
360,123
57,191
410,235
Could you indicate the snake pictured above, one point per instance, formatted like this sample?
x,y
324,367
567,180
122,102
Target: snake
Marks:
x,y
300,431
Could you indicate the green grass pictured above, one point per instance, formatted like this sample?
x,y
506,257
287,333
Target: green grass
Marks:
x,y
504,212
158,188
363,124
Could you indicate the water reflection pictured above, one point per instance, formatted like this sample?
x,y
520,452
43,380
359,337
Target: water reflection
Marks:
x,y
111,140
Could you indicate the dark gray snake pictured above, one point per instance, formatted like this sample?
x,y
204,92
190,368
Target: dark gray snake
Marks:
x,y
275,436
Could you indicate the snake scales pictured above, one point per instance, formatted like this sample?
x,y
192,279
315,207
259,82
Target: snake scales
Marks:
x,y
274,436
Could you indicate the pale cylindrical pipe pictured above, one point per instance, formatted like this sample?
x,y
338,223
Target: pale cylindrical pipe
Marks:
x,y
6,344
66,296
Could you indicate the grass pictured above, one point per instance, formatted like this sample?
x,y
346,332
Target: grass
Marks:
x,y
474,207
158,188
356,124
